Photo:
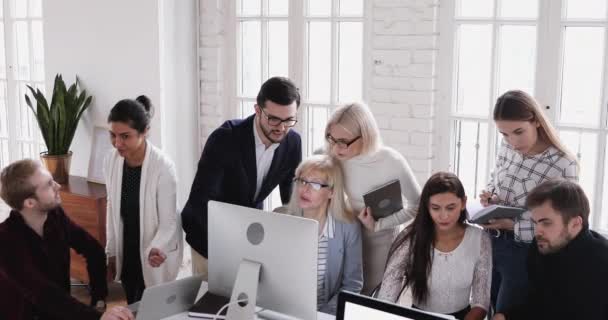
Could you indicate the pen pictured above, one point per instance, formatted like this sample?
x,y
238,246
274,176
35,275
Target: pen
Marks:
x,y
492,193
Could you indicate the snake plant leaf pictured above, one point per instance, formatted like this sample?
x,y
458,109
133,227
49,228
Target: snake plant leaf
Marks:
x,y
84,107
56,89
41,112
61,121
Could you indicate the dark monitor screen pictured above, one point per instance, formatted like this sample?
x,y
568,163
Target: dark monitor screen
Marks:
x,y
353,306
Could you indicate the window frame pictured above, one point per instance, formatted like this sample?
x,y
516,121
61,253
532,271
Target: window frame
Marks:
x,y
550,24
297,63
15,102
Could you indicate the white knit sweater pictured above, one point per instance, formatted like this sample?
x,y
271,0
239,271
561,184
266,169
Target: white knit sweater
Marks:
x,y
366,172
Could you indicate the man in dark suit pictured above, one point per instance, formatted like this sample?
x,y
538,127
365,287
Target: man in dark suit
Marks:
x,y
244,160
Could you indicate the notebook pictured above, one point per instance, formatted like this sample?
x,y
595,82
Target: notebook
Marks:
x,y
208,306
495,211
384,200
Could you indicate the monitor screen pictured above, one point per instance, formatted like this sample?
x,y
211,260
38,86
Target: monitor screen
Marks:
x,y
353,311
352,306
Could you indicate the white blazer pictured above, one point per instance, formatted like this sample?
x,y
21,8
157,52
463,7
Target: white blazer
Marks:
x,y
159,222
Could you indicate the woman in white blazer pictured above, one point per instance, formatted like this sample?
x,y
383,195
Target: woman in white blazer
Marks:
x,y
144,240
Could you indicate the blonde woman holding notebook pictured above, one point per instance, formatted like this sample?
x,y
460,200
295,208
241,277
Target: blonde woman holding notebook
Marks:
x,y
531,153
352,137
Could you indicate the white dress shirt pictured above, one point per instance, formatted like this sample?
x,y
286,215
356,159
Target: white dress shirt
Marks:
x,y
263,159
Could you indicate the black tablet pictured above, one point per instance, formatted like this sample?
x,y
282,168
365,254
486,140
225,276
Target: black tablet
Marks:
x,y
384,200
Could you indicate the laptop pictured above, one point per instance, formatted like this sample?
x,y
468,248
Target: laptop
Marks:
x,y
384,200
352,306
167,299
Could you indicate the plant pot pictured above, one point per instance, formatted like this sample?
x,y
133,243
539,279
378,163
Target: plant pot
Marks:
x,y
58,166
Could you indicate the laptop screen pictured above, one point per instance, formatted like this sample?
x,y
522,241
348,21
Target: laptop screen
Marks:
x,y
352,306
353,311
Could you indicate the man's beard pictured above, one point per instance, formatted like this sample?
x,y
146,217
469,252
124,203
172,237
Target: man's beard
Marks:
x,y
564,239
51,205
267,134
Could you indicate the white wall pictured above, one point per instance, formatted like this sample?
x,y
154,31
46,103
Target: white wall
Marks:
x,y
115,48
179,89
114,53
401,86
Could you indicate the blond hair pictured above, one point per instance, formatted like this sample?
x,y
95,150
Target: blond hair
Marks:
x,y
15,184
358,120
517,105
331,169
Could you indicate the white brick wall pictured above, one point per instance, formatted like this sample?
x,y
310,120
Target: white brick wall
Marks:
x,y
402,80
211,51
404,46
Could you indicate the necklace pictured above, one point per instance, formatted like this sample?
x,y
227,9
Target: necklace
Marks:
x,y
445,255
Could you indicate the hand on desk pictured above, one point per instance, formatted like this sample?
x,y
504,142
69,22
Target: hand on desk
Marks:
x,y
118,313
156,257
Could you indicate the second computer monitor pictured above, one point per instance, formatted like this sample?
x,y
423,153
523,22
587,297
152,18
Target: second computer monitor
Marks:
x,y
352,306
284,245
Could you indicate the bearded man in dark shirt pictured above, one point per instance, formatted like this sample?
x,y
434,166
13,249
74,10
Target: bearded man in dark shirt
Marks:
x,y
35,257
568,263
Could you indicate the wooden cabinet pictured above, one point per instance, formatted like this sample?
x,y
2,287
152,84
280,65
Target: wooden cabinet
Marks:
x,y
85,203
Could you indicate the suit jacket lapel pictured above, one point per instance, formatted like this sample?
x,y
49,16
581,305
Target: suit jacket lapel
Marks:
x,y
248,148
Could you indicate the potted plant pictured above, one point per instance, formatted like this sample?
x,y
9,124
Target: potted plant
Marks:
x,y
58,122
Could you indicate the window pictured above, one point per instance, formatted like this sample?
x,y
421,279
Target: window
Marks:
x,y
316,43
21,64
553,49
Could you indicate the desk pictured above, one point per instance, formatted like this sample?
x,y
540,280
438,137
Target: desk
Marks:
x,y
203,289
85,203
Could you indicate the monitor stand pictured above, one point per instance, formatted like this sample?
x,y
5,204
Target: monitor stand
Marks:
x,y
245,287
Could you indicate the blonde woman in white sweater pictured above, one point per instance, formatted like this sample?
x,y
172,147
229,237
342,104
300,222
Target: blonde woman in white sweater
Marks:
x,y
353,138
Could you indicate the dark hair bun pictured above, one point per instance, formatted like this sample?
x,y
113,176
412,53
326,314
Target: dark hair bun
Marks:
x,y
145,101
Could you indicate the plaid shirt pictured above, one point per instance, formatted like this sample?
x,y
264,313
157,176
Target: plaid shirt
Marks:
x,y
515,175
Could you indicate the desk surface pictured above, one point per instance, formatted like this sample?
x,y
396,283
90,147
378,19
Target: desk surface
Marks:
x,y
80,186
203,289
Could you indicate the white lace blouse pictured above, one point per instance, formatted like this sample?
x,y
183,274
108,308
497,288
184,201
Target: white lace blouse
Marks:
x,y
458,279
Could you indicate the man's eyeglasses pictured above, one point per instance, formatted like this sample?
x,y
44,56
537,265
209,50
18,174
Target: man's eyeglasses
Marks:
x,y
274,121
314,185
341,143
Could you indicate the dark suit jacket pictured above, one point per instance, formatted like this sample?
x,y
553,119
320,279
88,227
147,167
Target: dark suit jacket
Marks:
x,y
227,172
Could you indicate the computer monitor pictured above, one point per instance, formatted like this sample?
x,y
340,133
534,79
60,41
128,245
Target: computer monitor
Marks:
x,y
274,255
352,306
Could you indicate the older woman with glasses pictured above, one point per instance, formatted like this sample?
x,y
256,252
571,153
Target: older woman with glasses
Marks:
x,y
354,139
319,194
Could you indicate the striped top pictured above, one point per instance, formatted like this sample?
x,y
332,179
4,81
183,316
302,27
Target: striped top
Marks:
x,y
328,233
